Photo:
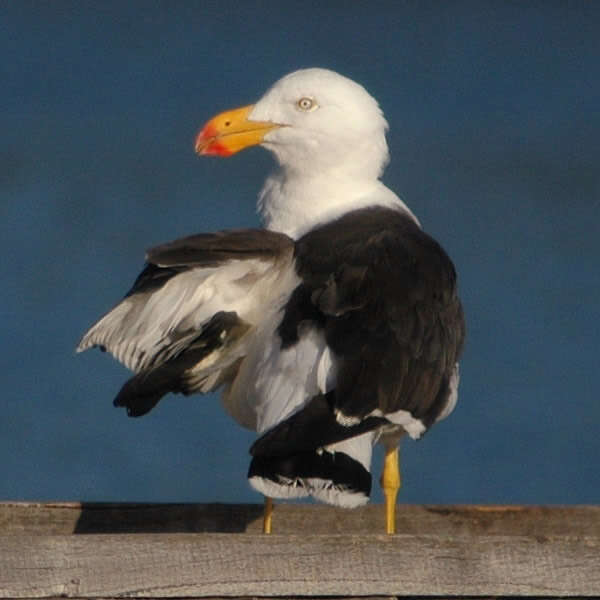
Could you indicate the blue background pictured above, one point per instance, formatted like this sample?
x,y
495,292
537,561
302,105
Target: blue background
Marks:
x,y
494,110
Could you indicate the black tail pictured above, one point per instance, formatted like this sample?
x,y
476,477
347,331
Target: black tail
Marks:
x,y
332,477
312,427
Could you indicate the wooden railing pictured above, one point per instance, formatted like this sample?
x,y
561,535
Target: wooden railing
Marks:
x,y
79,550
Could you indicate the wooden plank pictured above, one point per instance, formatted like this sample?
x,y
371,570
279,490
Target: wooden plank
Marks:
x,y
17,518
192,565
168,550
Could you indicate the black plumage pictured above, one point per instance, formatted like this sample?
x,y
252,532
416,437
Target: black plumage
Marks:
x,y
384,293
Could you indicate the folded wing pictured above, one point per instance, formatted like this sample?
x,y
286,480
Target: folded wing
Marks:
x,y
385,298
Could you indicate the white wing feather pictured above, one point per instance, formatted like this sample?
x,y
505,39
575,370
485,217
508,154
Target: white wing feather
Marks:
x,y
144,324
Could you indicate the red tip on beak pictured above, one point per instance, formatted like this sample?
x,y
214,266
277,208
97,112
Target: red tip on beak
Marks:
x,y
207,142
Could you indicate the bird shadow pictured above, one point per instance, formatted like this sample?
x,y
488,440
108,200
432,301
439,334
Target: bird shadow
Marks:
x,y
99,517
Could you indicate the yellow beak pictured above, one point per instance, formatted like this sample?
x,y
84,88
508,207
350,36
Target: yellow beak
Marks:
x,y
231,131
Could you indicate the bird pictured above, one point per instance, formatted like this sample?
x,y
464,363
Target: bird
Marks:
x,y
334,326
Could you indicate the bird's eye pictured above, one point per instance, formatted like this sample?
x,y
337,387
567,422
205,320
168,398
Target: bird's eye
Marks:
x,y
307,104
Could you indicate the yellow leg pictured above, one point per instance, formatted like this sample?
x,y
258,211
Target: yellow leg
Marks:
x,y
268,515
390,482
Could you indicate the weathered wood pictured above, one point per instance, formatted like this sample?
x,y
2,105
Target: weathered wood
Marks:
x,y
447,552
183,565
37,518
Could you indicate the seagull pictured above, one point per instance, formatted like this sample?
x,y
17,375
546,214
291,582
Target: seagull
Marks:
x,y
336,326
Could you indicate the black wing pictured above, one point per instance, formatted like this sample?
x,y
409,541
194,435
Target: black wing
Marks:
x,y
385,295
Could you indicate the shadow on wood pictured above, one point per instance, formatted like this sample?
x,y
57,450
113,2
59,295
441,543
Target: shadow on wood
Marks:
x,y
165,518
65,518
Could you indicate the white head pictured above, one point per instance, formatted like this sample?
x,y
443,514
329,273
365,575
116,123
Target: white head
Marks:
x,y
330,122
313,120
328,135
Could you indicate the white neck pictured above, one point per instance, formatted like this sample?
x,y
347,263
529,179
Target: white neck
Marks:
x,y
296,204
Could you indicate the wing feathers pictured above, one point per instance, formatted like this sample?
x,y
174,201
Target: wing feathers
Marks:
x,y
209,249
198,364
186,284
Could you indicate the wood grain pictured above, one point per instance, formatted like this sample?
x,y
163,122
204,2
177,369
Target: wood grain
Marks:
x,y
459,552
183,565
